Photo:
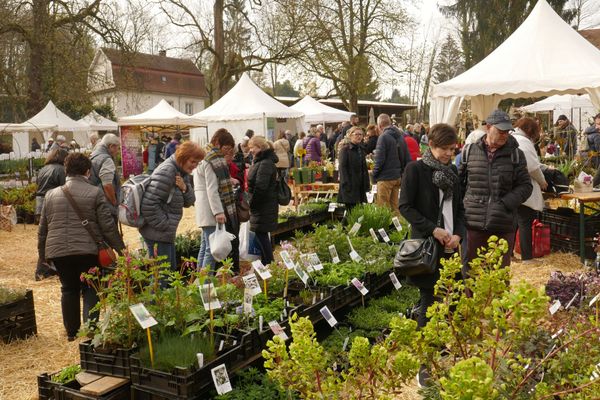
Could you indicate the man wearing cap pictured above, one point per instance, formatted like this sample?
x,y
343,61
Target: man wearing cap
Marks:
x,y
566,135
495,182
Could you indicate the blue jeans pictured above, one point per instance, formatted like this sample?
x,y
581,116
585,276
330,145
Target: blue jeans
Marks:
x,y
205,257
163,249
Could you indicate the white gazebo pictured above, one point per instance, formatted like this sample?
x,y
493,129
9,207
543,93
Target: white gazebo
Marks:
x,y
45,123
245,107
319,113
525,65
161,115
97,122
578,108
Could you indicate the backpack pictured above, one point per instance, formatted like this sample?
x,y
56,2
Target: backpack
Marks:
x,y
284,194
557,181
130,200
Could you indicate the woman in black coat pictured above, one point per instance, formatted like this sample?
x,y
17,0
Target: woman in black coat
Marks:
x,y
428,185
262,188
354,175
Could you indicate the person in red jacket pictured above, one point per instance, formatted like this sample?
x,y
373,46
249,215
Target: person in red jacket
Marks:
x,y
413,147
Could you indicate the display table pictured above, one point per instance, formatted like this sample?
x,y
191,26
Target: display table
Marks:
x,y
305,190
583,199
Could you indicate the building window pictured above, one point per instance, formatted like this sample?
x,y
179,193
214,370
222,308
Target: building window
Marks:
x,y
163,78
189,108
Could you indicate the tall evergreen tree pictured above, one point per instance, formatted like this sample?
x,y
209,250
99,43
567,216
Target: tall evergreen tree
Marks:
x,y
449,61
484,24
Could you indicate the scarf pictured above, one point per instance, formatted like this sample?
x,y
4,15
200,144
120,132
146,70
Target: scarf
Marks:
x,y
216,160
444,176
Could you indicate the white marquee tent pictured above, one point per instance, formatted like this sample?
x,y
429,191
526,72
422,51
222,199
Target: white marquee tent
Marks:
x,y
578,108
525,65
318,113
97,122
162,114
245,107
47,121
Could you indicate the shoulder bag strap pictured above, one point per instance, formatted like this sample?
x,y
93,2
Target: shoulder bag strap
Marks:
x,y
84,221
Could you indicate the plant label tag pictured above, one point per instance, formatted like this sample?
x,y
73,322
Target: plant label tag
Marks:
x,y
373,235
334,366
571,301
321,295
354,229
555,307
395,281
328,316
316,264
581,276
221,379
397,224
301,274
331,207
287,260
557,334
359,285
208,294
248,298
384,235
370,197
334,254
251,284
284,312
142,315
262,270
374,189
345,345
354,256
260,323
221,344
200,358
594,300
314,299
278,330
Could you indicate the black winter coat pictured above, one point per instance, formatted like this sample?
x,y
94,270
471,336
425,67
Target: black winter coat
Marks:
x,y
494,190
262,188
354,175
420,205
371,144
391,155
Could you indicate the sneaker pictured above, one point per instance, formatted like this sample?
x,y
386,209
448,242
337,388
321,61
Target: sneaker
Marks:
x,y
423,377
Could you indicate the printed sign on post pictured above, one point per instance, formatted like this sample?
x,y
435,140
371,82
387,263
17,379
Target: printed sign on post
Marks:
x,y
142,315
397,224
373,235
334,254
287,260
208,294
328,316
262,270
278,330
354,229
384,235
251,284
555,307
331,207
315,262
301,274
221,379
359,285
248,299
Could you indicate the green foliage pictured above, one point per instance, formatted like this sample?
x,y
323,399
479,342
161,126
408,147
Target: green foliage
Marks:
x,y
8,295
271,310
374,216
254,385
370,318
23,198
188,242
398,300
172,350
339,274
67,374
469,380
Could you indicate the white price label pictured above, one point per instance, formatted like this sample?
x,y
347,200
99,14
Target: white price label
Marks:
x,y
354,256
331,207
359,285
251,284
555,307
373,235
278,330
221,379
395,281
384,235
287,260
328,316
142,315
262,270
397,224
354,229
334,254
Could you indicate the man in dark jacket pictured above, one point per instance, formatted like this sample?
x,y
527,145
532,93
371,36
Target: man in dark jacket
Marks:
x,y
493,172
391,157
566,134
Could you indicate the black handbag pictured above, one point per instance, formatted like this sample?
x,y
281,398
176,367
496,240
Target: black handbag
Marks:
x,y
418,256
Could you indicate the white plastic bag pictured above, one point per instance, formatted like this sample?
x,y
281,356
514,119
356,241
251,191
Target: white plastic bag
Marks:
x,y
220,243
247,247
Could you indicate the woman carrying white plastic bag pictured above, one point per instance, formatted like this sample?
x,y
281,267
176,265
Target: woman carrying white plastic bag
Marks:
x,y
220,243
249,251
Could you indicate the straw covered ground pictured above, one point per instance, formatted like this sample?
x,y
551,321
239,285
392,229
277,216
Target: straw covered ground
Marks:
x,y
49,351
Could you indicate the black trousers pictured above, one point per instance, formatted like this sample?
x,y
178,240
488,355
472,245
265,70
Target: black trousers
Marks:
x,y
235,245
426,300
525,217
266,249
69,271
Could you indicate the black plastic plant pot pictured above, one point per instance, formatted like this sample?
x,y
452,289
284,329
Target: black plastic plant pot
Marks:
x,y
17,319
114,362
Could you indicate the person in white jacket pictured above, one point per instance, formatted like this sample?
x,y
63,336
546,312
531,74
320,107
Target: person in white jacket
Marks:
x,y
527,131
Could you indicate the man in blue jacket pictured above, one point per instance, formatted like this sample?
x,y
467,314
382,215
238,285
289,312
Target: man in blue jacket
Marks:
x,y
391,157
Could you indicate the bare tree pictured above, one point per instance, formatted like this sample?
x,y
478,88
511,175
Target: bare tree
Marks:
x,y
587,13
343,40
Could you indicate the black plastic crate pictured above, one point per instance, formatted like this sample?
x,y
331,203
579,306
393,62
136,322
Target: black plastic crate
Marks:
x,y
181,383
17,319
46,386
48,390
114,362
564,222
568,245
142,393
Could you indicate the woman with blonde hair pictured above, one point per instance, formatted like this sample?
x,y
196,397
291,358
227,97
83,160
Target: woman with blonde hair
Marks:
x,y
262,189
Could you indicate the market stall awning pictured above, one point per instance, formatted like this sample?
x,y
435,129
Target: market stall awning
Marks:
x,y
316,112
52,116
97,122
162,114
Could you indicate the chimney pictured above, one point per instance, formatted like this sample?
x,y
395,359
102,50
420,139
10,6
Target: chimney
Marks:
x,y
162,53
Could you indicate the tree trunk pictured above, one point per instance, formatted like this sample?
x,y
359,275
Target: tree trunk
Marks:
x,y
218,74
38,58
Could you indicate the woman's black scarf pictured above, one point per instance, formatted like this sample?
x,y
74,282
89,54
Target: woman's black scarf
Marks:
x,y
444,176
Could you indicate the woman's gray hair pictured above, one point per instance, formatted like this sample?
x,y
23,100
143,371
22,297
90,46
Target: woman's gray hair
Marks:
x,y
109,139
